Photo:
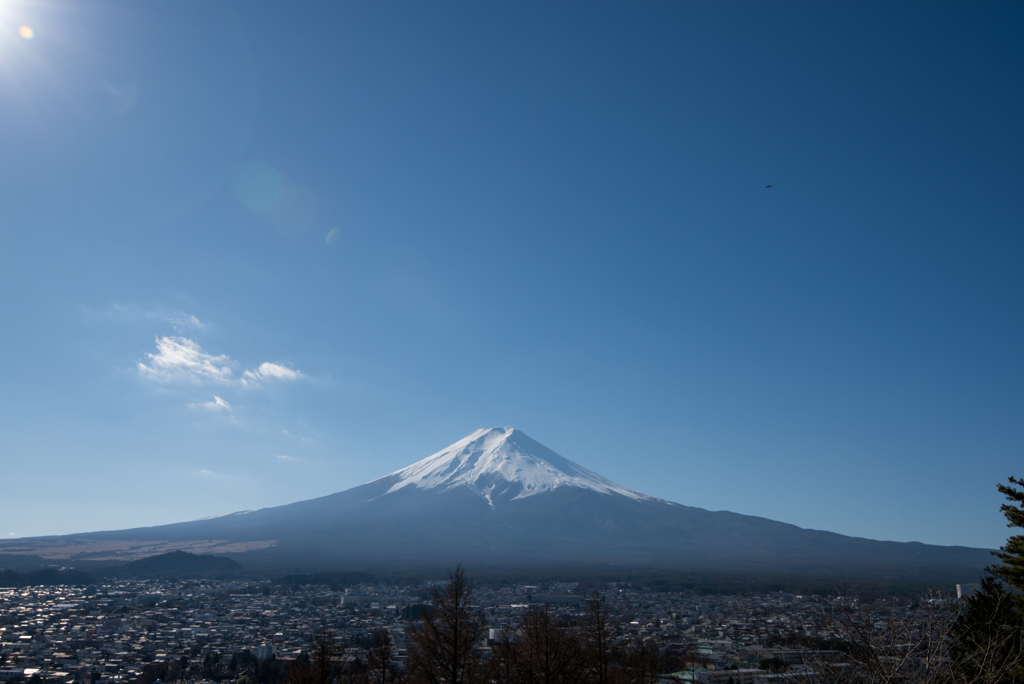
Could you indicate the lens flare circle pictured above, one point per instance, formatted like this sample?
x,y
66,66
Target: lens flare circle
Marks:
x,y
26,32
258,187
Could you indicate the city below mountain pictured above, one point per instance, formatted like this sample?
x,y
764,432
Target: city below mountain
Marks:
x,y
500,501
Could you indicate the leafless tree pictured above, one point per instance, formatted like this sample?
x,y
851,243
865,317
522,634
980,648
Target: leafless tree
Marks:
x,y
641,663
380,665
693,661
541,651
325,664
885,644
598,635
444,644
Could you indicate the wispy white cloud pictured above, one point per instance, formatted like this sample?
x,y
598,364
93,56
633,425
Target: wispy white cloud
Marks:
x,y
179,358
213,475
282,457
182,320
133,314
268,371
182,359
217,404
216,478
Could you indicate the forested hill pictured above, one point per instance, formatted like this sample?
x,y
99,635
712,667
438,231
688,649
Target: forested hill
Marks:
x,y
180,563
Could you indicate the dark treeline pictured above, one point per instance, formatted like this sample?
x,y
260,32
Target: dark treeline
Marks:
x,y
335,580
711,581
47,577
699,581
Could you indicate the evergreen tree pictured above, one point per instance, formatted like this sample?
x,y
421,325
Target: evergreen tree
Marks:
x,y
987,640
1011,570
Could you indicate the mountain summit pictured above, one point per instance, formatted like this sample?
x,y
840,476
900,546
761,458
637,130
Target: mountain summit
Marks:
x,y
502,463
498,499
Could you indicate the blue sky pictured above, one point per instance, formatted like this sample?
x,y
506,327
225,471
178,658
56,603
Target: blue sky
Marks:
x,y
257,252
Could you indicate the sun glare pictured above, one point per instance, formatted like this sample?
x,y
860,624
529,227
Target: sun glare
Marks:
x,y
26,32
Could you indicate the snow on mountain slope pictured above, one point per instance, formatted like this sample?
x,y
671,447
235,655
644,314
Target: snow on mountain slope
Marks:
x,y
496,461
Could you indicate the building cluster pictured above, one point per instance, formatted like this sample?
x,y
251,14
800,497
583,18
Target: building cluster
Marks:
x,y
208,630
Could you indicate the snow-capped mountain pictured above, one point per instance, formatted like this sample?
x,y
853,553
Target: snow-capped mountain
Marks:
x,y
498,499
502,462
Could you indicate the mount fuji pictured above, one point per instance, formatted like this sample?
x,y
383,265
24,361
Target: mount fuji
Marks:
x,y
502,464
499,499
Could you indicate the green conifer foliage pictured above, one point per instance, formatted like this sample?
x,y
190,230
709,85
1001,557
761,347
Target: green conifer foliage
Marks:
x,y
1012,554
987,641
986,646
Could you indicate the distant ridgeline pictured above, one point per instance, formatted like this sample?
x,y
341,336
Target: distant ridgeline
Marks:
x,y
46,577
180,563
22,562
